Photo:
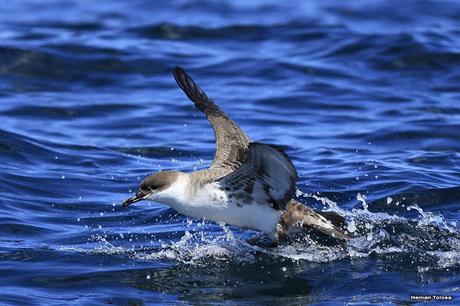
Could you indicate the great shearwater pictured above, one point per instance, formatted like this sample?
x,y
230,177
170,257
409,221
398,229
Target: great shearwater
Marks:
x,y
249,184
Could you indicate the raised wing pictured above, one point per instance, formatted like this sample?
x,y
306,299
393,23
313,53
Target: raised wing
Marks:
x,y
231,142
266,177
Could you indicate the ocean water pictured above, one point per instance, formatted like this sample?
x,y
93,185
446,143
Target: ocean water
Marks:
x,y
363,96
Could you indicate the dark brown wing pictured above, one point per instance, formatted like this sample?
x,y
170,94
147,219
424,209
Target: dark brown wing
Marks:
x,y
231,142
267,177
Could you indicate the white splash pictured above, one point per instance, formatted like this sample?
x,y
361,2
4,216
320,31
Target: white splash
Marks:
x,y
371,233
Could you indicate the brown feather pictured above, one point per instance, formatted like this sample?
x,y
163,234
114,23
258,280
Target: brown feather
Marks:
x,y
231,141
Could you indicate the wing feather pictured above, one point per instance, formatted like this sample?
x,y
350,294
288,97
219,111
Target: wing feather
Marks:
x,y
267,176
231,142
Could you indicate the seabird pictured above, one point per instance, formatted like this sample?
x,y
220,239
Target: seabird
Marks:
x,y
249,184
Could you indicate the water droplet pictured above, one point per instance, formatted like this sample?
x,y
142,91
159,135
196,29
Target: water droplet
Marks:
x,y
362,198
351,226
284,269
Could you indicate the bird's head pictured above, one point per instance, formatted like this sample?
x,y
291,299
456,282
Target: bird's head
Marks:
x,y
155,187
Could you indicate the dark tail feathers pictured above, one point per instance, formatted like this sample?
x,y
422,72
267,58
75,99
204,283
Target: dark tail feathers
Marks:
x,y
329,223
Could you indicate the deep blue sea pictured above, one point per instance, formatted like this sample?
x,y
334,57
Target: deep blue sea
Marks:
x,y
363,96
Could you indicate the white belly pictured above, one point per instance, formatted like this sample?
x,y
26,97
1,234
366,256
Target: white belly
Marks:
x,y
211,203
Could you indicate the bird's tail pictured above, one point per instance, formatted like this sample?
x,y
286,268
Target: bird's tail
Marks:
x,y
329,223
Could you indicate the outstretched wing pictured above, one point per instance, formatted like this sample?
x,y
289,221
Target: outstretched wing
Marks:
x,y
232,143
266,177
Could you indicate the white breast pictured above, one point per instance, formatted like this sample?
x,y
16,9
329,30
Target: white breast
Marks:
x,y
210,202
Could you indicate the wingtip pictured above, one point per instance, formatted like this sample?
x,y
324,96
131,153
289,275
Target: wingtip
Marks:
x,y
178,71
190,88
177,68
181,76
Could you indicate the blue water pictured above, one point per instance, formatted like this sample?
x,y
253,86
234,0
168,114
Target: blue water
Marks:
x,y
363,96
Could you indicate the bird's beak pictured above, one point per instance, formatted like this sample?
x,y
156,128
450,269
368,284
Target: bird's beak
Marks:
x,y
139,196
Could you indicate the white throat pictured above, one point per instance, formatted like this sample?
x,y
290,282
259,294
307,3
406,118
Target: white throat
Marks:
x,y
176,194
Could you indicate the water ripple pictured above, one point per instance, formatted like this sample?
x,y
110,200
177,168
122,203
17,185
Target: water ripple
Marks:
x,y
363,98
